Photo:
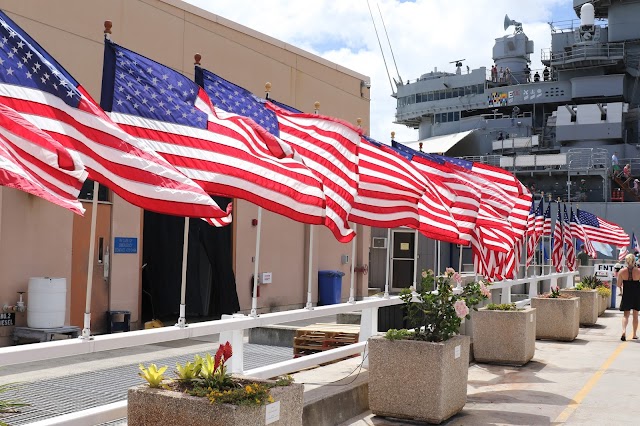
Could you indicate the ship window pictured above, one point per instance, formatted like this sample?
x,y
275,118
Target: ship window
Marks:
x,y
450,117
436,118
430,96
456,116
448,94
480,88
412,99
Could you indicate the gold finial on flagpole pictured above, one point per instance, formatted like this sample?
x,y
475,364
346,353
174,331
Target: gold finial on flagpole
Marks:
x,y
107,29
316,105
267,89
359,121
393,136
197,58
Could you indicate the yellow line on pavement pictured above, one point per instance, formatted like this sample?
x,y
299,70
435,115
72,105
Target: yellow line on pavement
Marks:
x,y
577,400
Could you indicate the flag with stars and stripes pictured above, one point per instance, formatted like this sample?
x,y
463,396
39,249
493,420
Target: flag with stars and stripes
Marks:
x,y
602,231
557,252
328,146
578,231
635,246
546,227
43,92
226,154
31,161
570,251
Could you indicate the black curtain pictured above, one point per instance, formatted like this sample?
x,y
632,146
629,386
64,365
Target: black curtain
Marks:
x,y
211,284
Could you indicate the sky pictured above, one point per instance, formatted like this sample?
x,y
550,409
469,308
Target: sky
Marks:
x,y
424,34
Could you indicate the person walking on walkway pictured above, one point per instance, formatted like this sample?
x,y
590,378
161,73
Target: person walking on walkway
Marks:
x,y
629,284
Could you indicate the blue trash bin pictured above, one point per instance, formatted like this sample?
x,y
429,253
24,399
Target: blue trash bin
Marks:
x,y
329,287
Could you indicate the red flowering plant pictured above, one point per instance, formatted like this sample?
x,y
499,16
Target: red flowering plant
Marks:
x,y
208,377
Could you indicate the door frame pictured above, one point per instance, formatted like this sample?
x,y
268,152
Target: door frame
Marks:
x,y
392,258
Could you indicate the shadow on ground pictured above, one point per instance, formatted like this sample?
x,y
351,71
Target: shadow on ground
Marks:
x,y
518,396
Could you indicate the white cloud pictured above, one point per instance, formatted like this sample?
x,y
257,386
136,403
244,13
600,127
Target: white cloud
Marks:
x,y
424,34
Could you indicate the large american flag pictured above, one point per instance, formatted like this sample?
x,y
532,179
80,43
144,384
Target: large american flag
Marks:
x,y
36,86
557,252
602,231
328,146
226,154
567,238
546,226
35,163
532,234
578,231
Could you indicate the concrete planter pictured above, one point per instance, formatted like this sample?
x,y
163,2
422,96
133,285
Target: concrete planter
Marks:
x,y
589,304
504,337
148,407
604,304
557,319
417,380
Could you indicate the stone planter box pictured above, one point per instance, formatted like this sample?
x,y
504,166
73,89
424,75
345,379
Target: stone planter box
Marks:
x,y
604,304
589,304
416,380
147,406
504,337
557,319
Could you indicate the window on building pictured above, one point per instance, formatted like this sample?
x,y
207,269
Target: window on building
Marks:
x,y
86,193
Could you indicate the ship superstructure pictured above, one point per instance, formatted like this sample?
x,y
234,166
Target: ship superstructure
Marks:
x,y
556,128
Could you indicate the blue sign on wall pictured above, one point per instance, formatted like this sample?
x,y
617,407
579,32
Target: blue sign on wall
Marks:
x,y
125,245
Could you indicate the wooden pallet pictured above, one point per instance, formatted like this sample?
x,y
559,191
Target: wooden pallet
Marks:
x,y
321,337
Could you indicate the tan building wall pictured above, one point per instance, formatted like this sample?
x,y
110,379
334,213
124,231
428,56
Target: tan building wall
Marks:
x,y
36,237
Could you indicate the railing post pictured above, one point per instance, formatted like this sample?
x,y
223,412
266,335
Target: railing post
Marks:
x,y
368,328
533,288
236,338
506,295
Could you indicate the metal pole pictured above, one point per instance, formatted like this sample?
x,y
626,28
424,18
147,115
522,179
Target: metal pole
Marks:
x,y
352,293
386,282
460,260
310,269
439,253
182,321
86,331
415,258
254,298
435,257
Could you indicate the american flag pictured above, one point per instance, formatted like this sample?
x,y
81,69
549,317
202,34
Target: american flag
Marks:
x,y
453,190
35,163
622,252
36,86
328,146
539,222
570,254
602,231
532,235
578,231
634,243
546,227
226,154
557,252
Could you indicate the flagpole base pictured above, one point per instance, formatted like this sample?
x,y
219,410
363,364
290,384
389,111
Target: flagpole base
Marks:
x,y
309,306
351,300
253,313
86,331
182,321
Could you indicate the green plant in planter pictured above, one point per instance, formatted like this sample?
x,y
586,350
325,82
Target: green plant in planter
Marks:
x,y
555,294
604,291
436,315
207,377
502,307
590,282
8,406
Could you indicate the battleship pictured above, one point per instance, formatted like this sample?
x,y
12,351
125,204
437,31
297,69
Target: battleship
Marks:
x,y
556,128
566,130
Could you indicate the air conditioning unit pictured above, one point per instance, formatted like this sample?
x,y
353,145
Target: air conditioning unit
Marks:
x,y
379,242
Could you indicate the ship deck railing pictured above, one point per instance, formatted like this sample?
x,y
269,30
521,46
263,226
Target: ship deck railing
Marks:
x,y
591,52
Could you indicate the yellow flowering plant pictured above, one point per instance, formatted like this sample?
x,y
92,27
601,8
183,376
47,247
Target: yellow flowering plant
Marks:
x,y
207,377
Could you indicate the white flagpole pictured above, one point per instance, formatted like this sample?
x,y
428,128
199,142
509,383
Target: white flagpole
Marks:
x,y
86,331
310,269
435,257
254,298
182,321
439,257
352,292
460,260
388,272
415,259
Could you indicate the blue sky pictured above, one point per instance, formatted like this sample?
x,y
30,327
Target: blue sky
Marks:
x,y
424,34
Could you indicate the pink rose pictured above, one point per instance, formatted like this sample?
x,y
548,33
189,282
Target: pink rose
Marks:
x,y
449,271
462,310
485,290
424,274
457,278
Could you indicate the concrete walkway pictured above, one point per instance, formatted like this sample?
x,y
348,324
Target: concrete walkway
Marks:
x,y
591,381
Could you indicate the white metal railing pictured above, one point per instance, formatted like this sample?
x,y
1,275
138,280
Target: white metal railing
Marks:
x,y
231,329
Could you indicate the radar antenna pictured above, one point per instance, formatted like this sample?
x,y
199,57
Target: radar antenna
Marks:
x,y
390,48
381,51
509,22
